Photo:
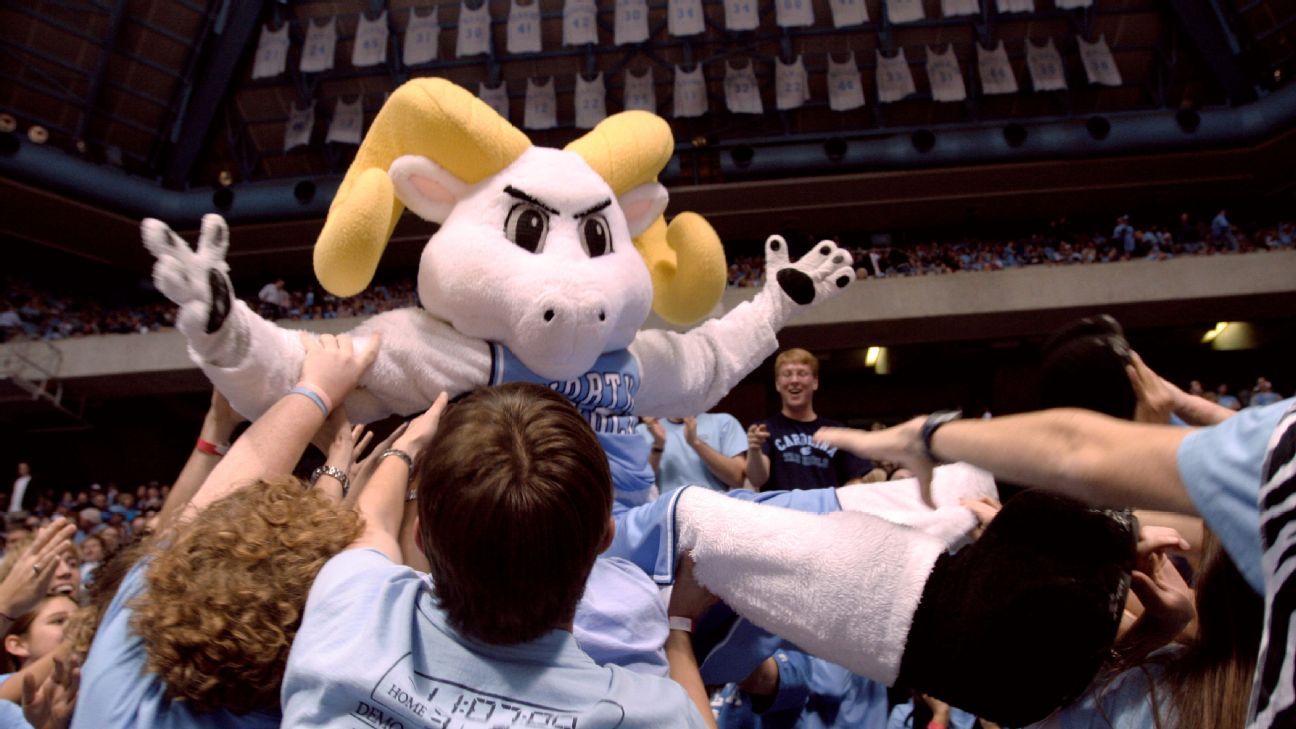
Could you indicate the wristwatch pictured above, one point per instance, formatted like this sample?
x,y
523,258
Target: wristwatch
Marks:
x,y
931,425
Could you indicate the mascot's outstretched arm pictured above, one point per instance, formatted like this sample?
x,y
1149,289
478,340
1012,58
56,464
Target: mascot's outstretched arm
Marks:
x,y
685,374
254,362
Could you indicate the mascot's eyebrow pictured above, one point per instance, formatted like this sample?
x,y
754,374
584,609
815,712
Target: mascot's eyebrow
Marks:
x,y
523,196
593,209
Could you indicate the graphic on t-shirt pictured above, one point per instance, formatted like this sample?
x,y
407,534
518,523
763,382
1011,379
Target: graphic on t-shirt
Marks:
x,y
802,449
406,698
604,395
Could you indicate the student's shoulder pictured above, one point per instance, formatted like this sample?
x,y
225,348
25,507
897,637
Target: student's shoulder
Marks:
x,y
651,701
362,570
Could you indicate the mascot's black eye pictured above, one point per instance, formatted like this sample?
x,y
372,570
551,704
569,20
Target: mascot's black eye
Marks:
x,y
527,226
595,236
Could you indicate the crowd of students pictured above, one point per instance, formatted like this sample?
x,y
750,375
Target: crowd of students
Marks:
x,y
474,569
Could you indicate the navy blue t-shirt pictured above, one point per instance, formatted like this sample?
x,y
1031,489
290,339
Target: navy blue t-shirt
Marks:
x,y
797,461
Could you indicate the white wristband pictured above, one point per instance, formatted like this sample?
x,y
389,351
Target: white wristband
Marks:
x,y
679,623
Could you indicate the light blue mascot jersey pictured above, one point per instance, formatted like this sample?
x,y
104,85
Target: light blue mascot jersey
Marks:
x,y
605,397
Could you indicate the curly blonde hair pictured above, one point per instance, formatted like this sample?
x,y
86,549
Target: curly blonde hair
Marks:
x,y
227,591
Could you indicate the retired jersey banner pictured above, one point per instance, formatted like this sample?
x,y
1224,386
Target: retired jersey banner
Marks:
x,y
944,76
894,79
541,105
640,91
301,122
631,23
591,101
953,8
793,13
347,125
524,27
690,92
1045,64
1099,65
845,90
684,17
904,11
421,38
791,84
741,14
496,97
580,22
846,13
271,53
370,47
742,95
474,36
321,42
995,71
1015,6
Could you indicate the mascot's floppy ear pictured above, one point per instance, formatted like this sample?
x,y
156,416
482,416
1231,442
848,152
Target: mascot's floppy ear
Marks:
x,y
686,259
428,117
643,206
426,188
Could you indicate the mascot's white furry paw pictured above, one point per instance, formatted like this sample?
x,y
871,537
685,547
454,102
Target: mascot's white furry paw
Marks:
x,y
196,280
822,272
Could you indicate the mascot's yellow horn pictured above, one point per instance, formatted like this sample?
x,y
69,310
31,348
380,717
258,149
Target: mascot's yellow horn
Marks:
x,y
686,260
427,116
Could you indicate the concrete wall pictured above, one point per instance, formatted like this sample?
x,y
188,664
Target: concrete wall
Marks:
x,y
964,305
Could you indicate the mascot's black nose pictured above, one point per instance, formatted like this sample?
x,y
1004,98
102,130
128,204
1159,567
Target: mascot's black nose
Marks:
x,y
549,314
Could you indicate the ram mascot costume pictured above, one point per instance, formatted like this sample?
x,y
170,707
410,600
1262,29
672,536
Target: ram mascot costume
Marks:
x,y
544,268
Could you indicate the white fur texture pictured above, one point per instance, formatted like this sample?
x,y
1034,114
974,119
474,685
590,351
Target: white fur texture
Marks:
x,y
900,501
841,586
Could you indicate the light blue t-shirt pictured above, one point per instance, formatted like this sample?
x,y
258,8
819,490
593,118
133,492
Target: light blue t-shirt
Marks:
x,y
374,650
12,717
902,718
116,689
1220,468
621,619
1124,703
812,694
680,465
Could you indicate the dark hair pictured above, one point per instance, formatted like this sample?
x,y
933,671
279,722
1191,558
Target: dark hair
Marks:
x,y
514,496
1084,367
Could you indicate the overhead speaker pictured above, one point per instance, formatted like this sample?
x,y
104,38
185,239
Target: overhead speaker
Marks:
x,y
1014,135
923,140
1098,127
223,199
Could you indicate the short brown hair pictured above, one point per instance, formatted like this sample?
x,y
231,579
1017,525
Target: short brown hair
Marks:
x,y
514,496
796,355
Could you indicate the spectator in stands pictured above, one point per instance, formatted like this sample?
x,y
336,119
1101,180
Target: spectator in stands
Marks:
x,y
1123,235
275,299
514,499
1263,393
23,497
708,449
782,452
92,554
89,521
1225,399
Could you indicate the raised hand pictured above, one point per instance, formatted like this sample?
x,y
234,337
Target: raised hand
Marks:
x,y
421,429
901,445
50,705
196,280
757,434
30,578
656,430
333,364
